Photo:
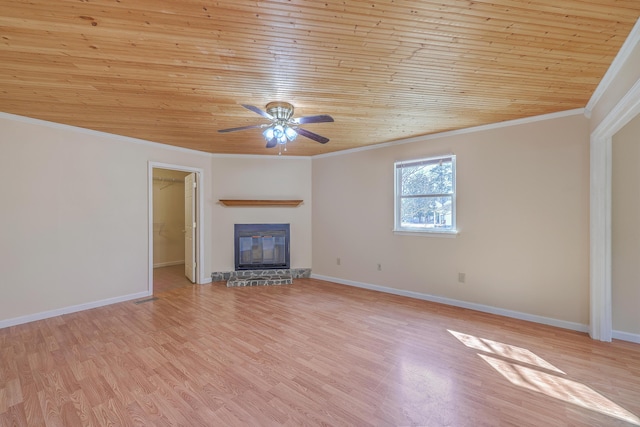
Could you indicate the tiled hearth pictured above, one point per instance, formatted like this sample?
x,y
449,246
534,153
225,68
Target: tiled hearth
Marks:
x,y
260,277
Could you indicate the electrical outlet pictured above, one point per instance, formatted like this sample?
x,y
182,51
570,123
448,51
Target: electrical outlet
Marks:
x,y
462,277
379,267
338,261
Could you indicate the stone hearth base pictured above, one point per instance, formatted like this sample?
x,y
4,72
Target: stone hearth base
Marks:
x,y
264,280
260,277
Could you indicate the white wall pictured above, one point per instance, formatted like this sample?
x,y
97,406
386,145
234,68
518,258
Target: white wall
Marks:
x,y
75,206
625,241
523,211
265,177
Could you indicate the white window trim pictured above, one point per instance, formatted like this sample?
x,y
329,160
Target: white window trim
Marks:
x,y
444,234
397,229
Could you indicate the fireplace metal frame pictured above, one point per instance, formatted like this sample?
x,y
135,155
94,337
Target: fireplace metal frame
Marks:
x,y
243,229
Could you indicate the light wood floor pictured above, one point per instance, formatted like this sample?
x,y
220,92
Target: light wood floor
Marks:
x,y
170,277
311,353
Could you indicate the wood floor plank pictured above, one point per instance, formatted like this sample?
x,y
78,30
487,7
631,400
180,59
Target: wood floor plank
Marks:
x,y
312,353
14,416
31,405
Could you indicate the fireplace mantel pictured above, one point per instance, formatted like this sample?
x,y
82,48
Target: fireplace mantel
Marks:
x,y
247,202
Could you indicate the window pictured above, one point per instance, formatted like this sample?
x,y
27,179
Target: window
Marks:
x,y
425,195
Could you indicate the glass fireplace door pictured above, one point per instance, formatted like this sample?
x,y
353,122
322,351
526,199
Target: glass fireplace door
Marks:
x,y
262,249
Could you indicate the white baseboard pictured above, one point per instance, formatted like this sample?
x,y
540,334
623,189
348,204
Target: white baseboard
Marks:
x,y
626,336
72,309
167,264
205,281
464,304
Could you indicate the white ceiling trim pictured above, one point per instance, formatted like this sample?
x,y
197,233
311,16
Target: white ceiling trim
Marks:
x,y
424,138
53,125
609,77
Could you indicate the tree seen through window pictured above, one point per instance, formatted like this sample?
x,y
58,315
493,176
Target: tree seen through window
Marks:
x,y
426,194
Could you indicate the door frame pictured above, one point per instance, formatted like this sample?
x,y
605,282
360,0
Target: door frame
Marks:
x,y
199,255
601,317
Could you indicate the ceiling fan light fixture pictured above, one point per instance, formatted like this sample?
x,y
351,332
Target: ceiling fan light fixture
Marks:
x,y
278,131
290,133
268,134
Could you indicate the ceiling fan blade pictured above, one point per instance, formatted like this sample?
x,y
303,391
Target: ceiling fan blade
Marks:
x,y
311,135
258,111
241,128
272,142
322,118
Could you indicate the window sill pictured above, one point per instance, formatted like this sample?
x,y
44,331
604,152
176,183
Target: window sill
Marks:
x,y
442,234
238,202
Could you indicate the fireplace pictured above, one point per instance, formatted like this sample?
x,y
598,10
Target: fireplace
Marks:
x,y
261,246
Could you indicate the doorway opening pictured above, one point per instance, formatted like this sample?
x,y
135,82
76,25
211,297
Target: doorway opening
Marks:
x,y
175,236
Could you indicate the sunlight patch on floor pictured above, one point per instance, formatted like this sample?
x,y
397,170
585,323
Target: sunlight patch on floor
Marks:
x,y
505,350
509,362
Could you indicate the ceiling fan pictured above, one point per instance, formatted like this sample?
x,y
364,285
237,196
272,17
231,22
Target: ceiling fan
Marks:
x,y
283,127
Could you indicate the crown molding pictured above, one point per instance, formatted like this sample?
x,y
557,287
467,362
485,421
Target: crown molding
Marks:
x,y
53,125
97,133
609,77
491,126
421,138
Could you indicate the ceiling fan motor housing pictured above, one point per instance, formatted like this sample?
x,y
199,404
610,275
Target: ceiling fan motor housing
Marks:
x,y
280,110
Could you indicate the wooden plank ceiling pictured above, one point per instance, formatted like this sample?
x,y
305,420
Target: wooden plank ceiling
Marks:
x,y
175,72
